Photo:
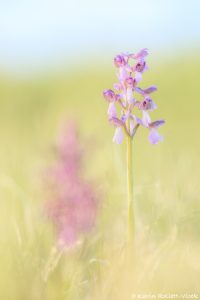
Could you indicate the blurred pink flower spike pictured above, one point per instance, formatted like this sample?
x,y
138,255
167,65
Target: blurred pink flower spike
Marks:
x,y
130,68
72,207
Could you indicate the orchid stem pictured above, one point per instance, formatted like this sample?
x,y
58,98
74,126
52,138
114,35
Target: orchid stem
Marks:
x,y
131,221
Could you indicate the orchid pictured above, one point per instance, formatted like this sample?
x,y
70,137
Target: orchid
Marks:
x,y
132,100
73,200
129,75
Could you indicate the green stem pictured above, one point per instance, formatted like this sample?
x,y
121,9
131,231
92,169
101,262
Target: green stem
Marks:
x,y
131,221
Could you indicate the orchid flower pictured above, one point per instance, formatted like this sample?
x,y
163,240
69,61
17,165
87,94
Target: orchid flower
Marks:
x,y
130,69
129,75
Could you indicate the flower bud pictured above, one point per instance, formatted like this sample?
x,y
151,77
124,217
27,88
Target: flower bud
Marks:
x,y
119,61
140,66
131,82
109,95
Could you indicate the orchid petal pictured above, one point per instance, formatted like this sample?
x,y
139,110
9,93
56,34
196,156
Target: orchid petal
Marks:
x,y
154,136
116,122
153,106
138,76
139,90
150,89
129,94
133,127
137,120
146,68
156,124
112,112
146,120
117,86
118,136
141,54
123,74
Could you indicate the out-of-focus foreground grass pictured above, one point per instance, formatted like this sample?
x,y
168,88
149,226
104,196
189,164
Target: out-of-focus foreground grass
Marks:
x,y
166,188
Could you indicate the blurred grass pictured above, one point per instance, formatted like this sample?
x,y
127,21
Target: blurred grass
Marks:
x,y
166,187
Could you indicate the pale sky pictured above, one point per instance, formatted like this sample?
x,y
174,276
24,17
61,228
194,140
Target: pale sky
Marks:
x,y
35,33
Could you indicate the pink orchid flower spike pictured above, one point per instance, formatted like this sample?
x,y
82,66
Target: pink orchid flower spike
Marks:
x,y
130,68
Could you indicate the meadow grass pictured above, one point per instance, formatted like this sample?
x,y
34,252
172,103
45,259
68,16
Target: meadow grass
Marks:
x,y
166,188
